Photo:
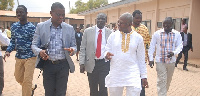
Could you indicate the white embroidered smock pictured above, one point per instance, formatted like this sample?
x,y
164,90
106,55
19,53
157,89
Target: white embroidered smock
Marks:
x,y
126,69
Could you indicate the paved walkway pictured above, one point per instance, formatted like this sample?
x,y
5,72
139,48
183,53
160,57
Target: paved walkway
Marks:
x,y
184,83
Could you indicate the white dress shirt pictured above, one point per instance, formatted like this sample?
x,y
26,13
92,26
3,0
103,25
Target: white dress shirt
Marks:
x,y
126,69
185,39
103,42
156,41
4,40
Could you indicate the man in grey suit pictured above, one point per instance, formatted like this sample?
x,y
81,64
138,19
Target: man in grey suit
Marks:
x,y
92,52
59,39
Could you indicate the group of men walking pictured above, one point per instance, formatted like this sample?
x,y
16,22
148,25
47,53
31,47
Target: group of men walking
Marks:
x,y
112,60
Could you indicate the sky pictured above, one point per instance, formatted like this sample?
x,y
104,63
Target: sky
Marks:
x,y
45,5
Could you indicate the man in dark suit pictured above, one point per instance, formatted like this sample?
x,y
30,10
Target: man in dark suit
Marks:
x,y
78,36
187,45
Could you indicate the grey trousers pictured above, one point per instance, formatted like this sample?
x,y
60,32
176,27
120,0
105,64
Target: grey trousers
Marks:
x,y
1,75
164,77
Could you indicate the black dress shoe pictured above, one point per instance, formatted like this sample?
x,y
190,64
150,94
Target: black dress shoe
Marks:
x,y
176,64
185,69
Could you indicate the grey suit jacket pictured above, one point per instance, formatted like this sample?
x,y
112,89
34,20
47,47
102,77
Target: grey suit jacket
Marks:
x,y
88,50
42,38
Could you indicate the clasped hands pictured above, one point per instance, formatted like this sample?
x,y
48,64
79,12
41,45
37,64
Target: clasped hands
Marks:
x,y
169,55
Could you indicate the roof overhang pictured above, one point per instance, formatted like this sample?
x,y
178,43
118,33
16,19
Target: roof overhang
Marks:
x,y
4,13
115,4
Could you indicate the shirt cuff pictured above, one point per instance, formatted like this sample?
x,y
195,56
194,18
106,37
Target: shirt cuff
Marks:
x,y
150,58
143,76
38,52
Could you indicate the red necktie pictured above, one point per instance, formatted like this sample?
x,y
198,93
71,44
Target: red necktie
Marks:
x,y
98,50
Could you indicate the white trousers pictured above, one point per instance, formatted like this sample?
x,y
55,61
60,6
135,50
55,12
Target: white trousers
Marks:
x,y
130,91
164,77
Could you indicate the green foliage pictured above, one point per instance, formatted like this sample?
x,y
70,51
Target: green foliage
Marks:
x,y
7,4
81,6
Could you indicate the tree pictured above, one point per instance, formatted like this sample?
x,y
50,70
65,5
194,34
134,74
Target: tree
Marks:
x,y
7,4
81,6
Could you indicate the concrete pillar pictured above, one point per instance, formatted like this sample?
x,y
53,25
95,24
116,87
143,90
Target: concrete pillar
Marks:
x,y
156,17
194,20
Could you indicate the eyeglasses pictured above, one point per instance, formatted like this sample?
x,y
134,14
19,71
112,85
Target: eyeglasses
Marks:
x,y
57,14
20,12
120,23
101,19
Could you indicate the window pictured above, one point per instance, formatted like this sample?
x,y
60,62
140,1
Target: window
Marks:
x,y
88,25
81,26
74,25
148,25
159,24
178,22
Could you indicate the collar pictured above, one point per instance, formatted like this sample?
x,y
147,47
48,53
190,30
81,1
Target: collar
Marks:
x,y
23,24
163,31
59,27
97,29
185,33
50,24
137,26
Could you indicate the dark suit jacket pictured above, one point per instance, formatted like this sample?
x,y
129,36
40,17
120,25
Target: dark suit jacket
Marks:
x,y
78,39
189,40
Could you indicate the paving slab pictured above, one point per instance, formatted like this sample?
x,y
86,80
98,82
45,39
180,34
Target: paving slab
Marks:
x,y
184,83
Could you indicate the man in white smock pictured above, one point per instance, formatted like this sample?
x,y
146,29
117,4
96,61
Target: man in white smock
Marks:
x,y
125,49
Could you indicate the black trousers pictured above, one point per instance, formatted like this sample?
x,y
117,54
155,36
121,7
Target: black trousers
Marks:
x,y
55,78
1,75
97,78
185,52
142,93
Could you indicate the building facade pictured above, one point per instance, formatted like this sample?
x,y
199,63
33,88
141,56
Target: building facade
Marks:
x,y
153,13
9,17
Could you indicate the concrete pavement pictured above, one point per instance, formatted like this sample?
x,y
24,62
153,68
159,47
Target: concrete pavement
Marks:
x,y
184,83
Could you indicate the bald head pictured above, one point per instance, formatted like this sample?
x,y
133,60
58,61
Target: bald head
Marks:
x,y
125,22
127,17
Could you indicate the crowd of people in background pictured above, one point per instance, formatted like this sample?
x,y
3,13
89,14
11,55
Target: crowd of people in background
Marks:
x,y
113,58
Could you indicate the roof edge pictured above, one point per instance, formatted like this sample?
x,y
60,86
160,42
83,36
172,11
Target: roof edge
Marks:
x,y
115,4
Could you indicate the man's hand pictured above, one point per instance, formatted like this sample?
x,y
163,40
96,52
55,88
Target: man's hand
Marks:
x,y
109,56
71,50
145,83
44,55
6,54
151,64
82,68
4,57
170,54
